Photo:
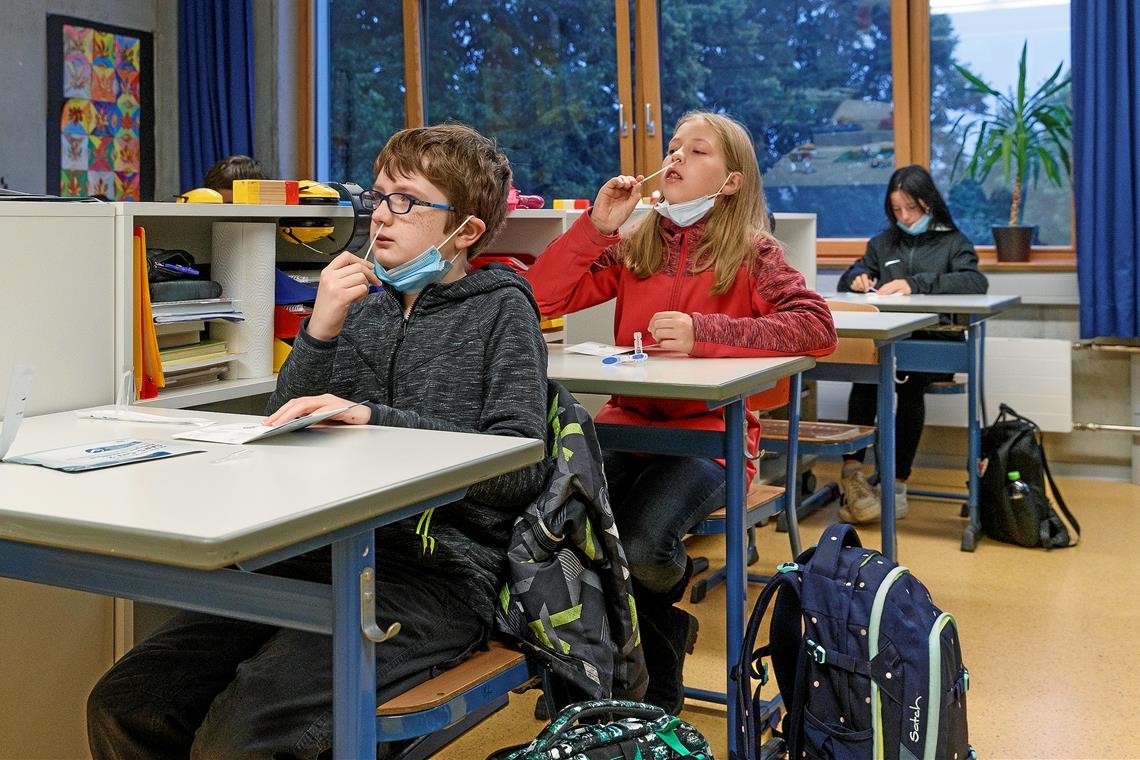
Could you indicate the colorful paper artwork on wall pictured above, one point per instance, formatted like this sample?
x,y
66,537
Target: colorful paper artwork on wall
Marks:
x,y
103,130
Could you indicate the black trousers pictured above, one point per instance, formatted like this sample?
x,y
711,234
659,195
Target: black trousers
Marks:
x,y
211,687
910,415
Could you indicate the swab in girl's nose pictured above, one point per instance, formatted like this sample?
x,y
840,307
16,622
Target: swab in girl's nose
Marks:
x,y
663,168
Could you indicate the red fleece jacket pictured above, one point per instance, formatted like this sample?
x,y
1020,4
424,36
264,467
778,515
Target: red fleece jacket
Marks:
x,y
768,311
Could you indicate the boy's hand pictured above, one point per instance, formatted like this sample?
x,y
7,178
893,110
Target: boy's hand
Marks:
x,y
343,282
299,407
673,331
615,202
862,284
901,287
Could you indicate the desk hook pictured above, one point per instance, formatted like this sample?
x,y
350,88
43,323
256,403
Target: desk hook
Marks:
x,y
368,624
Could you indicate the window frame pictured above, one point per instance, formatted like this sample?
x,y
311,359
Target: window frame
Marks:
x,y
640,152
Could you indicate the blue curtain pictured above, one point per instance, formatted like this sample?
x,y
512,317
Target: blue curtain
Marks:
x,y
1106,164
215,84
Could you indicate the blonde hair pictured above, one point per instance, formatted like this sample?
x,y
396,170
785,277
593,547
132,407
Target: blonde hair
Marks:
x,y
733,225
468,167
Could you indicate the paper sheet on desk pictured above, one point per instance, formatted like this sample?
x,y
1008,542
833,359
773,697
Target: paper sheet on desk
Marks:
x,y
248,432
96,456
592,348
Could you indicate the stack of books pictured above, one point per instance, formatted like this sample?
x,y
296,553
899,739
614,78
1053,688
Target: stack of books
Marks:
x,y
194,363
198,309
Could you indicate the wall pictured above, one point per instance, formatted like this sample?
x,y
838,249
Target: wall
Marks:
x,y
23,83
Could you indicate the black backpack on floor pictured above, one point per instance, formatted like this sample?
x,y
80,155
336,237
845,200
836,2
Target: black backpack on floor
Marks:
x,y
867,665
1013,444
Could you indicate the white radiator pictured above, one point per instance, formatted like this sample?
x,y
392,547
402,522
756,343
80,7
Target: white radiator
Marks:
x,y
1034,376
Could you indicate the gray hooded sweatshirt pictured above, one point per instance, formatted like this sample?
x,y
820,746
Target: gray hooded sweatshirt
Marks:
x,y
468,358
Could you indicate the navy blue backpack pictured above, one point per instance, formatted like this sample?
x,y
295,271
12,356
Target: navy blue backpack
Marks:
x,y
868,667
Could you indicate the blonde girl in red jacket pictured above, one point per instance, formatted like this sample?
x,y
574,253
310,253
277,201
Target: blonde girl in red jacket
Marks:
x,y
703,276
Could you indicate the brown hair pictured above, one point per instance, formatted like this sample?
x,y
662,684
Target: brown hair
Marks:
x,y
222,174
469,167
734,223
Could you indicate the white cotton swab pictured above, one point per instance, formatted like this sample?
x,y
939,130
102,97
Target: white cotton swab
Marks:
x,y
663,168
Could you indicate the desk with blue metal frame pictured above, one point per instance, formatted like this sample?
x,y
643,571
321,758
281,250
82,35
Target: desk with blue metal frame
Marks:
x,y
171,530
886,330
971,312
720,383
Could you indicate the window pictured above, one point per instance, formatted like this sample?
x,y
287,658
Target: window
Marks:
x,y
812,82
985,37
365,73
835,92
541,78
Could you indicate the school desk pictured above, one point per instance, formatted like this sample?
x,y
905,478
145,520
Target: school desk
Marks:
x,y
176,531
970,312
720,383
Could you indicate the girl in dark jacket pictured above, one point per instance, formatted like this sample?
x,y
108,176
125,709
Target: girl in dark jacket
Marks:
x,y
921,251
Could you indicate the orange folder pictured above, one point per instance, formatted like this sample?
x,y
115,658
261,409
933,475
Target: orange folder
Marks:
x,y
147,363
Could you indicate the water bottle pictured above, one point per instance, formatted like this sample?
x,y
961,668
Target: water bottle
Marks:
x,y
1017,488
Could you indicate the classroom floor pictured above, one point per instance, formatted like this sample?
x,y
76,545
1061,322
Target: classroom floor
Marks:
x,y
1048,636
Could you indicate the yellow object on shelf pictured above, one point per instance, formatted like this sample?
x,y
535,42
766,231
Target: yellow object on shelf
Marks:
x,y
281,351
552,323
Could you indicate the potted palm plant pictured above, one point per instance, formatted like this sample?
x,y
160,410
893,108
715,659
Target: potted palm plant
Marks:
x,y
1028,133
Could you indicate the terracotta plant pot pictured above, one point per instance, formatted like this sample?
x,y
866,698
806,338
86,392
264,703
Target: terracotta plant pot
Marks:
x,y
1013,241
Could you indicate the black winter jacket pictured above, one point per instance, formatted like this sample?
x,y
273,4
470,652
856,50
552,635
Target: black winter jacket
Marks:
x,y
935,262
469,358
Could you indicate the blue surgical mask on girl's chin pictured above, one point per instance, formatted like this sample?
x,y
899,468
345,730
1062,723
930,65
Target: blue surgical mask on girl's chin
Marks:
x,y
416,274
689,212
919,227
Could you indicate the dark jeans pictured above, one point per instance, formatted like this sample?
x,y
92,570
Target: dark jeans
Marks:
x,y
910,415
211,687
656,501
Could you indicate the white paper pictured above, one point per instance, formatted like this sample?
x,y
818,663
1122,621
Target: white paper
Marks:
x,y
593,348
19,385
95,456
122,414
248,432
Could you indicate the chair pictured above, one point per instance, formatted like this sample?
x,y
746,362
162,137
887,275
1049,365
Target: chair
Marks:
x,y
818,438
828,438
440,709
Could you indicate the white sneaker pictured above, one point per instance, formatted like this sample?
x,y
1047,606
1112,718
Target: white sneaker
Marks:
x,y
858,502
901,507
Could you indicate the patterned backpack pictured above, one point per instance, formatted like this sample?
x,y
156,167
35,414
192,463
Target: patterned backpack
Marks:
x,y
632,730
868,667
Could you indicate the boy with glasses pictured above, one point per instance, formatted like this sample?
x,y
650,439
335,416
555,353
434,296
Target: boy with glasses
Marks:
x,y
438,348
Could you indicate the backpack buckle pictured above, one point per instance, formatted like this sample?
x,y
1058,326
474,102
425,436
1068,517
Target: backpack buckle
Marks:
x,y
817,652
788,567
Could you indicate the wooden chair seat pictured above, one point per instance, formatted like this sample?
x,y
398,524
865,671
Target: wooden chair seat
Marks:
x,y
950,387
756,500
477,669
820,433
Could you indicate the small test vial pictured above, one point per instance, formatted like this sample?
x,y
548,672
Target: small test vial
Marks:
x,y
638,354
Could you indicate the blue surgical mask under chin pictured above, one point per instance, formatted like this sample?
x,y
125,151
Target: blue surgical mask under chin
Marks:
x,y
919,227
416,274
689,212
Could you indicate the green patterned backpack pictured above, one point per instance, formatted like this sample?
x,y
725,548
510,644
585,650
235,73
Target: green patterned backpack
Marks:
x,y
632,730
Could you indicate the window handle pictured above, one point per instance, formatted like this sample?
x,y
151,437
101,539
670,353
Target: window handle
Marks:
x,y
623,125
650,125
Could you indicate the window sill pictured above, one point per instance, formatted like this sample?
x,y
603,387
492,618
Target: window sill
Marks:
x,y
1041,259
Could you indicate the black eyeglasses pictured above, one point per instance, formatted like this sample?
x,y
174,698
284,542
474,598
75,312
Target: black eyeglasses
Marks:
x,y
398,203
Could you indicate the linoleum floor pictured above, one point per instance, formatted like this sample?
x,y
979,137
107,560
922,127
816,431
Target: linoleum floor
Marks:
x,y
1049,637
